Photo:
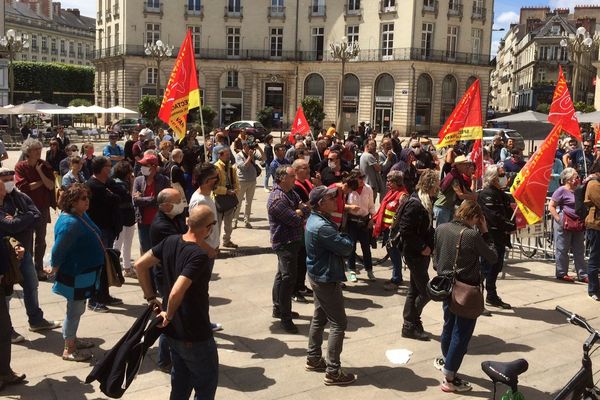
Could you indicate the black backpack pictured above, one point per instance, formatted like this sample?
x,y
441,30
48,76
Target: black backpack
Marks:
x,y
395,236
581,209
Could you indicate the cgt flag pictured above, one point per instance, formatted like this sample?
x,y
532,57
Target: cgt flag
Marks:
x,y
182,93
531,183
476,157
300,126
562,110
465,121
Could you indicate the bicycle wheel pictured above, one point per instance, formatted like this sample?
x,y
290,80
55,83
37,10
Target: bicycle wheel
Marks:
x,y
528,246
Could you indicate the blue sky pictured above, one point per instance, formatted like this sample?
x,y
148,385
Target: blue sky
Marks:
x,y
507,11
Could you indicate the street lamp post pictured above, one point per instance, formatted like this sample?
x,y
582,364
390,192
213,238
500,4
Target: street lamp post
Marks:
x,y
12,44
159,51
343,51
577,45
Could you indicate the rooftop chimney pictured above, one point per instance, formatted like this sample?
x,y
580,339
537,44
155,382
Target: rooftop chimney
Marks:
x,y
74,11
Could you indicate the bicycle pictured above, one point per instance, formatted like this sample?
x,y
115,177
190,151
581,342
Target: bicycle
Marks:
x,y
580,386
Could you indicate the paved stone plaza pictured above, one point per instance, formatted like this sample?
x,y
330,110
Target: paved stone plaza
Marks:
x,y
258,360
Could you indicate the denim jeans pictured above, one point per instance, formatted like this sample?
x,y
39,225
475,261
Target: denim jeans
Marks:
x,y
301,271
30,285
144,236
442,215
417,297
456,334
396,257
75,309
491,271
329,307
360,235
195,366
285,278
594,261
565,241
5,332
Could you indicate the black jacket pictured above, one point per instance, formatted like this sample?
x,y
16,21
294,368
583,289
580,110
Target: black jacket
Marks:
x,y
24,216
104,202
498,212
163,226
121,364
415,227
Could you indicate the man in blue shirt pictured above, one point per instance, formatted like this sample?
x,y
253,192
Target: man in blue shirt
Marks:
x,y
112,150
279,158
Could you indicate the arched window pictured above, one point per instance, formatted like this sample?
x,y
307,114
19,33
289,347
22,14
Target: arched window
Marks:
x,y
423,103
351,86
314,86
350,101
384,102
448,97
384,86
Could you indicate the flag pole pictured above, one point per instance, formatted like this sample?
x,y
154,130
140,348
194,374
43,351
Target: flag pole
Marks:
x,y
203,134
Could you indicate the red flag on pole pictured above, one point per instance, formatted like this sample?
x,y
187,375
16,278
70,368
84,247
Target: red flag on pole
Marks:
x,y
531,183
300,125
477,158
465,121
182,93
562,110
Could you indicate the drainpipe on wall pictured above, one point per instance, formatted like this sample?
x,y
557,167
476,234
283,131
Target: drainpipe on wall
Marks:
x,y
414,99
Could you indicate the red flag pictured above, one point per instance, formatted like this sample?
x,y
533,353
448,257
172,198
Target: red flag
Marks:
x,y
300,125
531,183
182,93
477,158
465,121
562,110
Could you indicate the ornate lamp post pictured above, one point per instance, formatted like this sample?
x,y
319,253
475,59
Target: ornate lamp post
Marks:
x,y
159,51
577,45
12,44
343,51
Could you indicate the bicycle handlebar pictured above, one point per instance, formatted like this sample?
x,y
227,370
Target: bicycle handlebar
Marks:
x,y
576,319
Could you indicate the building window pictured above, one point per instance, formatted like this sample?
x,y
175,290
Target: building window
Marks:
x,y
151,76
476,36
352,34
232,79
53,44
233,41
34,43
429,5
194,5
153,3
451,41
196,38
543,53
44,58
79,50
34,58
317,43
478,8
276,42
234,6
152,33
44,43
541,74
24,57
318,7
314,86
454,5
423,102
389,4
116,35
448,97
353,5
426,39
387,41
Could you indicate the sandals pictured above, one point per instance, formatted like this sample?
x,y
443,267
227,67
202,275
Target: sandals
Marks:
x,y
76,356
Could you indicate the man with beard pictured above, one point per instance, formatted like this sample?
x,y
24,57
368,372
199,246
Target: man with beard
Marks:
x,y
406,165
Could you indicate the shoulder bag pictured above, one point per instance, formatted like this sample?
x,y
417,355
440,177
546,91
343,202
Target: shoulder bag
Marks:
x,y
466,300
13,276
573,224
226,202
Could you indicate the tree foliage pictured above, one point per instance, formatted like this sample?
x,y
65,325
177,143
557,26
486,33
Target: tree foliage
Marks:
x,y
80,102
543,108
583,107
148,108
313,111
35,80
265,117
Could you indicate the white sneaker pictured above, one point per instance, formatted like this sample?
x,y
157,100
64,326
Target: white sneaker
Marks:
x,y
438,363
352,276
457,385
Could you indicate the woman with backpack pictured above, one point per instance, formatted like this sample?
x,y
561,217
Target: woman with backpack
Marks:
x,y
569,229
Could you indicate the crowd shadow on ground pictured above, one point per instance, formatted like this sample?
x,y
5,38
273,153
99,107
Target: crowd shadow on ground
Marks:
x,y
67,388
246,379
395,378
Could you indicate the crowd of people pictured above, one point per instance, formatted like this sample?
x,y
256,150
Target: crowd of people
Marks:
x,y
329,194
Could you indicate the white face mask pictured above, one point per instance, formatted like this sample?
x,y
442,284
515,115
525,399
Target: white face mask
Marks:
x,y
177,209
503,181
145,170
9,186
331,164
417,150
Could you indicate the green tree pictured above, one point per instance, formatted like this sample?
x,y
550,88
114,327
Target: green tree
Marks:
x,y
80,102
579,106
589,108
265,117
208,116
148,108
543,108
313,111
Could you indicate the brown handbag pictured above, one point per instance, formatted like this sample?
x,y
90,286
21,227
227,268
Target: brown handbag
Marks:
x,y
466,300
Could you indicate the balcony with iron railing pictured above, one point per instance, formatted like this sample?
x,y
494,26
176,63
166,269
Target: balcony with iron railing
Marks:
x,y
352,12
456,11
116,10
275,12
478,12
317,11
386,8
388,54
234,12
154,8
193,12
430,7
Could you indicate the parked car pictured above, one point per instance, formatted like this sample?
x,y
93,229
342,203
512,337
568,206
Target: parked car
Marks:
x,y
125,124
253,128
489,133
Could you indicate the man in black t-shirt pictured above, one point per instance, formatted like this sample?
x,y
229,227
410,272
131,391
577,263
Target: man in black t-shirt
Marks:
x,y
186,321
